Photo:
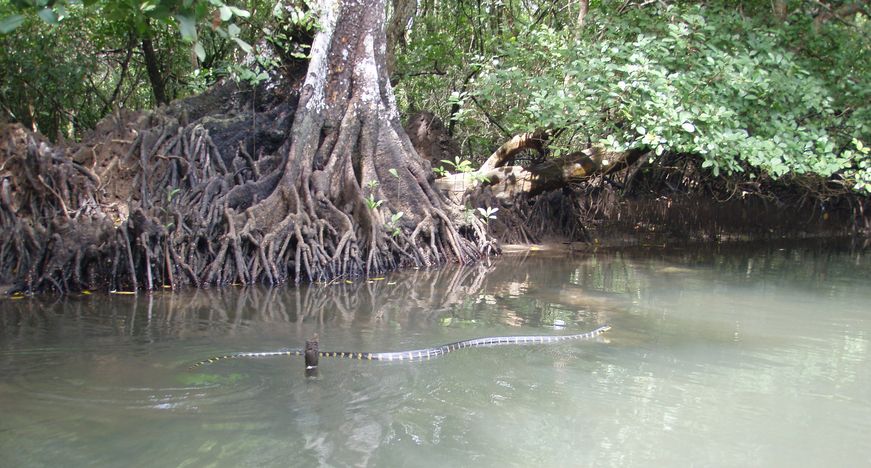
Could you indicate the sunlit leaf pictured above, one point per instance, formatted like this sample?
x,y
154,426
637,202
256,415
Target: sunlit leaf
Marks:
x,y
200,51
226,13
240,12
243,45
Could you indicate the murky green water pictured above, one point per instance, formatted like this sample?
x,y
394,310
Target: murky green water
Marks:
x,y
716,358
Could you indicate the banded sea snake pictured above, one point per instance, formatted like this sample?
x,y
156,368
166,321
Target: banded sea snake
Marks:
x,y
416,354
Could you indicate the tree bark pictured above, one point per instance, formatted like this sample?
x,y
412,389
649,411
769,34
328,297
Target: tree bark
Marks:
x,y
511,148
351,168
507,182
403,11
583,8
779,8
154,75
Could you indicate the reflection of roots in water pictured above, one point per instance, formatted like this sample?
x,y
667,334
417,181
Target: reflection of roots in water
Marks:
x,y
495,291
420,294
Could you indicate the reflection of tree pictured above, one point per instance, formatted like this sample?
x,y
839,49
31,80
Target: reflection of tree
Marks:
x,y
797,263
412,296
513,290
540,289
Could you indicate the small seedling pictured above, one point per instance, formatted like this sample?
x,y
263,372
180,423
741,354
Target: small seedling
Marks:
x,y
395,231
372,203
459,164
488,213
480,178
171,193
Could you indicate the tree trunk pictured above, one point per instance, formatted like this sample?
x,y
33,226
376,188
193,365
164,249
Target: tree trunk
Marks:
x,y
779,8
157,202
403,10
154,75
353,196
583,8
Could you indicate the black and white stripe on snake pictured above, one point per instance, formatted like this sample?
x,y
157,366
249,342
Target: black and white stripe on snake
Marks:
x,y
417,354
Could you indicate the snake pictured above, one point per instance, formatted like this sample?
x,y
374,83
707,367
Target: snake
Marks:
x,y
415,354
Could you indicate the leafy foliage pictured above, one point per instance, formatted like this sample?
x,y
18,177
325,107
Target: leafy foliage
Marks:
x,y
136,14
89,58
742,93
44,77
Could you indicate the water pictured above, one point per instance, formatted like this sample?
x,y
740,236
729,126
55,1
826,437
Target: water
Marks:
x,y
717,357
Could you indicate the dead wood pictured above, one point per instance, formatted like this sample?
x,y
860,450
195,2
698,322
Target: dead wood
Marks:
x,y
509,182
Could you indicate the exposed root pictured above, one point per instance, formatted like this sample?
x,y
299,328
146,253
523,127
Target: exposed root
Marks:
x,y
179,218
196,204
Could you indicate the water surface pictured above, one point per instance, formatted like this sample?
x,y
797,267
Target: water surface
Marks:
x,y
717,357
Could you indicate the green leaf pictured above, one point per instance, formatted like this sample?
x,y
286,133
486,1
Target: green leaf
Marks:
x,y
240,12
226,13
61,11
188,27
243,45
198,49
688,127
9,23
233,30
48,15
